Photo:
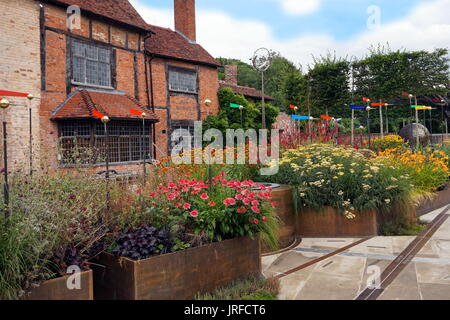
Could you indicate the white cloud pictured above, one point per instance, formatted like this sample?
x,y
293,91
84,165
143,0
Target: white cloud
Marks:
x,y
300,7
425,28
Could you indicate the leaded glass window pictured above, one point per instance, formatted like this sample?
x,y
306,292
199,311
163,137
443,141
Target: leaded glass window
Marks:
x,y
182,80
91,64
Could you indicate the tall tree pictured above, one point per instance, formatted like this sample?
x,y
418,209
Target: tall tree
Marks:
x,y
329,80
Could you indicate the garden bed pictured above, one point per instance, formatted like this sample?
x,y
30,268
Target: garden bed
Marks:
x,y
329,223
56,289
177,276
287,232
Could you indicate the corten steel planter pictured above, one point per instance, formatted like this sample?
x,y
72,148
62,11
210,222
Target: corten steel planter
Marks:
x,y
330,223
439,200
287,232
56,289
176,276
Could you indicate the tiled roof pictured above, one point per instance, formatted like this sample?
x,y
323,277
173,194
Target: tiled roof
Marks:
x,y
245,91
117,10
168,43
117,105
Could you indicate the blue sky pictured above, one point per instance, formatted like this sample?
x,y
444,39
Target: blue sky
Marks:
x,y
301,28
339,18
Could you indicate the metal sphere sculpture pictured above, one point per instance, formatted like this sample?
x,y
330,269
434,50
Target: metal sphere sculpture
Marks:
x,y
411,131
262,59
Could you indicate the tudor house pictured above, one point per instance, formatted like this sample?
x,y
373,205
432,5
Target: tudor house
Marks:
x,y
110,62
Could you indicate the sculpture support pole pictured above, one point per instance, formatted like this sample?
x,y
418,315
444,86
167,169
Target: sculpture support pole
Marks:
x,y
353,128
417,126
5,165
263,105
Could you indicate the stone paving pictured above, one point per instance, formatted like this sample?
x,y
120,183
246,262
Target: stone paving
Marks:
x,y
345,275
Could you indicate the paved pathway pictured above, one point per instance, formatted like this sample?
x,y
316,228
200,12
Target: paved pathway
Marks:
x,y
345,275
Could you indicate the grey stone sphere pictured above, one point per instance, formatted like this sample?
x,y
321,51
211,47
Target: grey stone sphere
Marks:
x,y
411,131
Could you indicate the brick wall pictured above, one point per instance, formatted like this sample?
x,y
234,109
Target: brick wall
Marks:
x,y
174,106
20,71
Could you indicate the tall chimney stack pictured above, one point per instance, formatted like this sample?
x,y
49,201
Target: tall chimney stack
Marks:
x,y
231,74
185,18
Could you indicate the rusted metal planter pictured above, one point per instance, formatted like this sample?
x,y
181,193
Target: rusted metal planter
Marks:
x,y
285,210
329,223
176,276
439,200
56,289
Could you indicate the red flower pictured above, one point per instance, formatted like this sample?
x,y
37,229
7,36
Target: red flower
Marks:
x,y
264,219
274,205
138,191
212,203
256,209
239,197
256,221
229,202
172,185
194,214
247,201
152,194
186,206
204,196
178,204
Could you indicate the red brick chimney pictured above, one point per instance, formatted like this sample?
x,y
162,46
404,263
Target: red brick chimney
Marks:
x,y
185,18
231,74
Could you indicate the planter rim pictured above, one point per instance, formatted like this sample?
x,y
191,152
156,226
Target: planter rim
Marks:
x,y
179,252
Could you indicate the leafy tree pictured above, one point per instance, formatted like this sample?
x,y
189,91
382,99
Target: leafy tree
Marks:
x,y
295,92
330,85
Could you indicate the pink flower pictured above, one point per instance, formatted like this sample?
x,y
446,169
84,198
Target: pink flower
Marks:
x,y
256,209
229,202
204,196
247,201
274,205
194,214
256,221
178,204
255,203
239,197
242,210
186,206
172,185
212,203
264,219
172,196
